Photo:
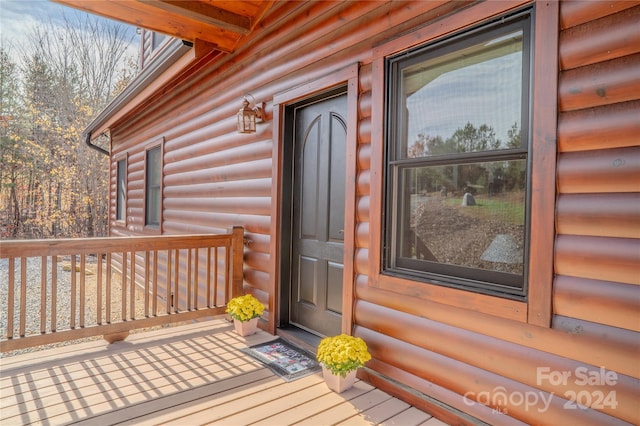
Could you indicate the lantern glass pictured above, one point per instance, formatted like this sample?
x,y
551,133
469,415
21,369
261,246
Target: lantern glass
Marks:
x,y
246,119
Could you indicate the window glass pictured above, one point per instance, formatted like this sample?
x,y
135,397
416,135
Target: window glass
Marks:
x,y
121,191
468,100
154,176
458,161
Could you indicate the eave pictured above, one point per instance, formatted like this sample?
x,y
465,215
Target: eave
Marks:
x,y
219,23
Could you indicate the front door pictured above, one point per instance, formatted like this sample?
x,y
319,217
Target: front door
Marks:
x,y
317,232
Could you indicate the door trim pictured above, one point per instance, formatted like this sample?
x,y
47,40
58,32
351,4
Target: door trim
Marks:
x,y
278,311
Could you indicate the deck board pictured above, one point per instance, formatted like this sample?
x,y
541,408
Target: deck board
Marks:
x,y
186,375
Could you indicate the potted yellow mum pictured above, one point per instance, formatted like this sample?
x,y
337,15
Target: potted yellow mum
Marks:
x,y
340,357
245,311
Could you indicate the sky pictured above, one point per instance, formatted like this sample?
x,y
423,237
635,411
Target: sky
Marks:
x,y
19,17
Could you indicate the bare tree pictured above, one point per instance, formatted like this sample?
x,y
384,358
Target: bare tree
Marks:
x,y
68,74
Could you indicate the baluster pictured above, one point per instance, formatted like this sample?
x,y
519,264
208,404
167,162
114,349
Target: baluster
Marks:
x,y
196,273
176,282
54,293
189,289
227,273
83,264
168,300
132,287
215,275
155,283
123,290
99,288
11,297
146,284
208,277
107,292
43,294
72,320
23,295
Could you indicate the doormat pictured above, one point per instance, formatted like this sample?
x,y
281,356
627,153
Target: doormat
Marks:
x,y
284,359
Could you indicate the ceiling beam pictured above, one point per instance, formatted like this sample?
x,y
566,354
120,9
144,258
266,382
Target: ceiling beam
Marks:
x,y
205,13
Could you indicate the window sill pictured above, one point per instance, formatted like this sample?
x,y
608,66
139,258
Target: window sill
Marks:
x,y
490,305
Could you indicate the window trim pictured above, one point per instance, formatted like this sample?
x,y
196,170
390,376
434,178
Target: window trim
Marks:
x,y
536,309
122,157
456,276
153,229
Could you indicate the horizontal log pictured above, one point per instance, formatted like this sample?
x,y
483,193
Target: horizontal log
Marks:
x,y
182,228
602,171
438,393
599,84
364,156
362,234
361,261
511,361
605,127
239,188
257,261
257,242
257,279
363,183
596,301
244,205
622,339
366,78
177,219
364,131
598,258
610,37
599,215
201,159
245,171
362,208
472,382
364,104
578,12
133,177
600,349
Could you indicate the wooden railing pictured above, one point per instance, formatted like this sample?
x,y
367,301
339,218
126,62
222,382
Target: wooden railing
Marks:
x,y
113,285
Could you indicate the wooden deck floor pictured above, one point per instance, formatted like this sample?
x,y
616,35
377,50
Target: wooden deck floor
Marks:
x,y
187,375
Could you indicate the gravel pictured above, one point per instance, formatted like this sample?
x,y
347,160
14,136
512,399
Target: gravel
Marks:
x,y
63,299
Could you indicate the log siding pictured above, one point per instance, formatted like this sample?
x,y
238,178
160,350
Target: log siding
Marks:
x,y
434,347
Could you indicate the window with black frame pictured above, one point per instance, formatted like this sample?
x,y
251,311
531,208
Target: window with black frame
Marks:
x,y
121,194
457,160
152,191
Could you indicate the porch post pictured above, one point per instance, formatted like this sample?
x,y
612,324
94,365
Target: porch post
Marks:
x,y
237,261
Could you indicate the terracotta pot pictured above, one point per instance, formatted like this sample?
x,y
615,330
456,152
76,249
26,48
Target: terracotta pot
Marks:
x,y
337,383
246,328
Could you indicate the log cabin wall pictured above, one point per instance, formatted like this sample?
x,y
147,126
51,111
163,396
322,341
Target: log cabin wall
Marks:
x,y
451,361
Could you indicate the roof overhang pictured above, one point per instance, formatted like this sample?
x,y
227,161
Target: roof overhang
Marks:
x,y
198,26
220,23
172,58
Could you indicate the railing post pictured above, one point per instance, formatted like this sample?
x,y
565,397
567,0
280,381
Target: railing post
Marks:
x,y
237,261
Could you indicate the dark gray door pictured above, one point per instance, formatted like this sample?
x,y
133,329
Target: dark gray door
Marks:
x,y
318,215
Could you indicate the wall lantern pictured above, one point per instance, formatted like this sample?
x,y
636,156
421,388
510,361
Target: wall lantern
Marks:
x,y
248,115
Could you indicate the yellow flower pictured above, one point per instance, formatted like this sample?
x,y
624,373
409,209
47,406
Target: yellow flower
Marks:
x,y
244,308
342,353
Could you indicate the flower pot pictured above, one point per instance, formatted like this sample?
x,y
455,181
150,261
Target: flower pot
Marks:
x,y
337,383
246,328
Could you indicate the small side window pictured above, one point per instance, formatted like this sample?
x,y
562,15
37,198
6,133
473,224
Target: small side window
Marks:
x,y
121,192
153,196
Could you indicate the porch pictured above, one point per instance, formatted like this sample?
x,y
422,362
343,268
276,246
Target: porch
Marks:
x,y
188,374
